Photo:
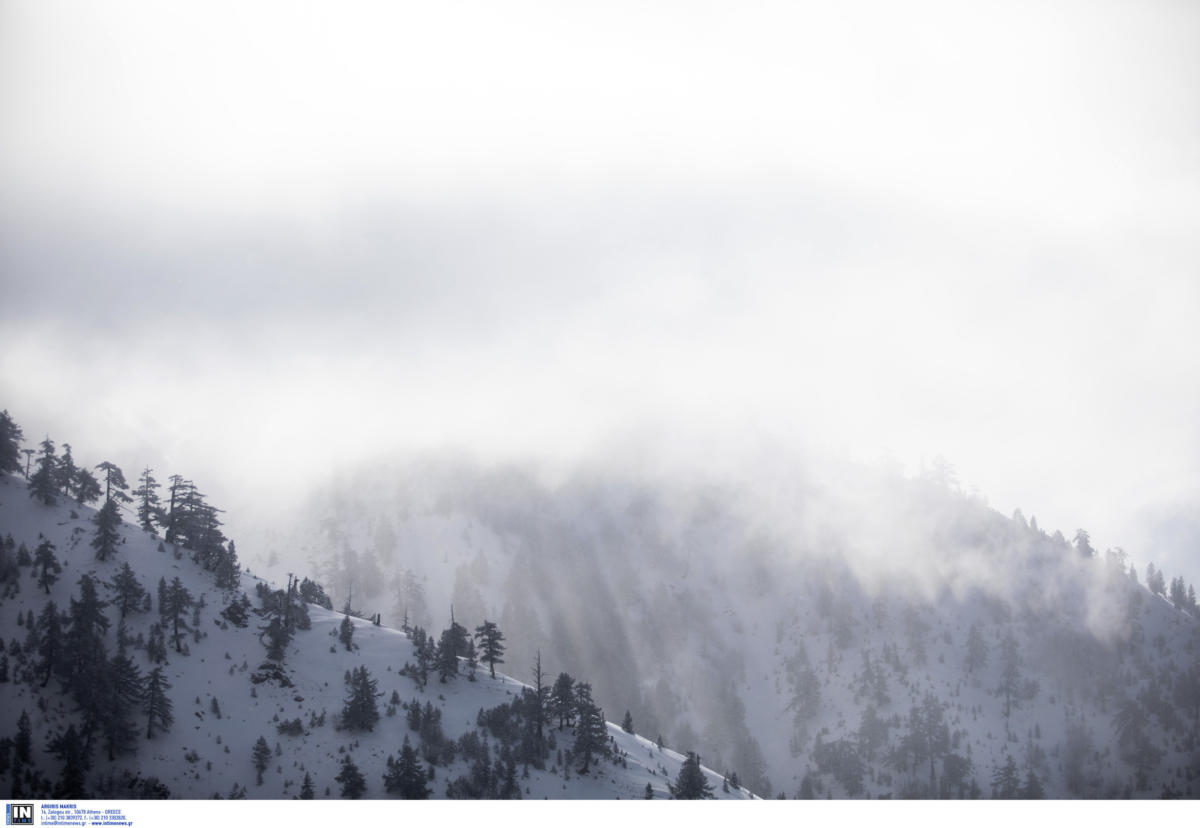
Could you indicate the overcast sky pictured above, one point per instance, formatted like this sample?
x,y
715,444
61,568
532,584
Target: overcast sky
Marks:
x,y
245,241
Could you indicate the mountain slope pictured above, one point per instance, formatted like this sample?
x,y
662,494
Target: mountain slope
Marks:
x,y
812,631
220,710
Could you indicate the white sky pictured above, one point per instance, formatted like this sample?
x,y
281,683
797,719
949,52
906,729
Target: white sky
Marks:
x,y
244,240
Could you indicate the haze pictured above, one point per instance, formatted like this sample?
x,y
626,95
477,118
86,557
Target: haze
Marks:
x,y
254,242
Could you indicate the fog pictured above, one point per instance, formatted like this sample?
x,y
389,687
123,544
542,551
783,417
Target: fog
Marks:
x,y
254,244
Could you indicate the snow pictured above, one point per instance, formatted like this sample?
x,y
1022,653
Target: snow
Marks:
x,y
204,754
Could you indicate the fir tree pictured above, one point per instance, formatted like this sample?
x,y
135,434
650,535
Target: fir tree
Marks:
x,y
1006,781
107,521
405,776
43,485
149,509
87,487
237,613
156,704
156,645
346,632
977,650
451,645
306,789
1083,544
66,470
691,782
360,711
128,593
276,638
1032,789
491,645
1156,581
50,641
1010,673
44,559
261,756
122,692
84,654
472,660
72,750
228,569
173,605
11,438
627,722
352,782
541,696
562,699
591,732
178,487
23,743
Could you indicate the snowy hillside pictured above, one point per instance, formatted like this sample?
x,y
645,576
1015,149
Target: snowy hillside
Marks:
x,y
226,694
847,634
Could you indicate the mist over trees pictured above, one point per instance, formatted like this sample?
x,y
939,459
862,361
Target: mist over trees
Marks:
x,y
810,660
852,626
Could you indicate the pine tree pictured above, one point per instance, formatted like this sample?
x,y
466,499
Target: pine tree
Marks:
x,y
43,485
627,722
156,704
261,756
11,438
44,559
360,711
352,782
491,646
649,792
691,782
129,594
114,483
107,521
149,510
306,789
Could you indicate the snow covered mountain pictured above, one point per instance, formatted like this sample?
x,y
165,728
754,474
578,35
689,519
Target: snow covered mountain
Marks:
x,y
837,632
243,724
